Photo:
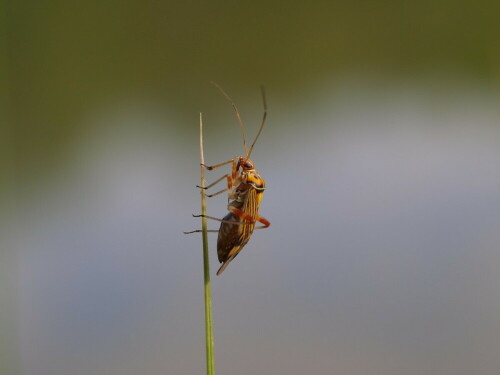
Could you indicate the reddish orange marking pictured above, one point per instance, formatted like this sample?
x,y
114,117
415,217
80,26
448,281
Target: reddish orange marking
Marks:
x,y
264,221
242,214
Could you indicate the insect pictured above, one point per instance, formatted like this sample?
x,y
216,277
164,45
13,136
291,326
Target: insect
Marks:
x,y
245,189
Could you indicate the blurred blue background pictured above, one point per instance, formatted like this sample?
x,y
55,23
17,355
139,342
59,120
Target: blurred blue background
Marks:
x,y
381,156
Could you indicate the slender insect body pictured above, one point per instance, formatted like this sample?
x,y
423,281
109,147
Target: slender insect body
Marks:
x,y
237,228
245,189
234,232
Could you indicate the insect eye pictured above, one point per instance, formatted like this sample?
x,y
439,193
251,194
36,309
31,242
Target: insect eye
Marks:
x,y
248,165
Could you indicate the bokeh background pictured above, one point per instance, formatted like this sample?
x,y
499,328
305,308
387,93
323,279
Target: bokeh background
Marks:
x,y
381,156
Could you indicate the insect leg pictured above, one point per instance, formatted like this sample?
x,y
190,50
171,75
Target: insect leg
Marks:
x,y
263,221
199,230
249,218
214,194
230,178
220,220
214,167
229,185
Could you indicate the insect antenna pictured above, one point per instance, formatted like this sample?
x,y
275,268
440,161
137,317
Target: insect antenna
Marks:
x,y
262,89
242,127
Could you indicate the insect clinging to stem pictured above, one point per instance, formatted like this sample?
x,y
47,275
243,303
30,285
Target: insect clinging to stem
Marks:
x,y
245,189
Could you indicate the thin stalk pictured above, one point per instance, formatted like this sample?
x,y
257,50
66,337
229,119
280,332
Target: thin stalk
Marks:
x,y
209,338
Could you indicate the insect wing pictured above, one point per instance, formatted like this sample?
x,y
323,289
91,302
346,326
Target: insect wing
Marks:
x,y
231,239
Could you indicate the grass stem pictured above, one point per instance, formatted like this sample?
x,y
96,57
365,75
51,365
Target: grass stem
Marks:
x,y
209,339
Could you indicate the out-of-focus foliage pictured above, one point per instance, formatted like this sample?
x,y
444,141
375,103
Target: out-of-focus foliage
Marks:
x,y
380,155
67,57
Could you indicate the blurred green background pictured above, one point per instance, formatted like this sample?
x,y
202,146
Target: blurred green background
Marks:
x,y
381,156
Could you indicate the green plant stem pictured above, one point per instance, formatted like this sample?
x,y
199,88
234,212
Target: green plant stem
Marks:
x,y
209,339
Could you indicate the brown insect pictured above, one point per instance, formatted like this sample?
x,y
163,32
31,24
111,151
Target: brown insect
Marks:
x,y
245,189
